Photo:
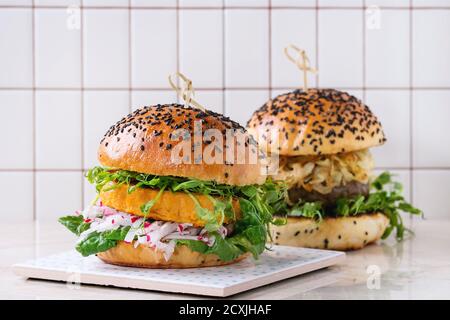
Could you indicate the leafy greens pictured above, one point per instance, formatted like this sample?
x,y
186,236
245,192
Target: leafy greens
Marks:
x,y
257,204
385,197
96,241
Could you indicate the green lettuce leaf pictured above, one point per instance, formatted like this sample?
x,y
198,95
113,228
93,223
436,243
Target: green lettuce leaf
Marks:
x,y
101,241
94,243
225,249
311,210
75,224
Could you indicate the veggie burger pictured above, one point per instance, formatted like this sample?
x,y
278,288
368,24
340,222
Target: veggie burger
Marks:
x,y
161,205
322,139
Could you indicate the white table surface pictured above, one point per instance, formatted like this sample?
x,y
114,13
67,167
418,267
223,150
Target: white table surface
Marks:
x,y
418,268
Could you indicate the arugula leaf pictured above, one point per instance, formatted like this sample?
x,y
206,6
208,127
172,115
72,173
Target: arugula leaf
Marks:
x,y
188,185
224,248
407,207
213,220
250,191
145,208
101,241
383,179
252,239
116,234
228,249
133,187
229,209
311,210
75,224
250,212
94,243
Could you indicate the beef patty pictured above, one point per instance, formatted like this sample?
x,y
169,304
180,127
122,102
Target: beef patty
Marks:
x,y
350,190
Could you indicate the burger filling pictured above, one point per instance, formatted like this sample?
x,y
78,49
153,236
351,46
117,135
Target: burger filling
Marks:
x,y
322,174
340,185
350,190
228,221
106,225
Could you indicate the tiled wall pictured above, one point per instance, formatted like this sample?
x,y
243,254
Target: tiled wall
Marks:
x,y
61,86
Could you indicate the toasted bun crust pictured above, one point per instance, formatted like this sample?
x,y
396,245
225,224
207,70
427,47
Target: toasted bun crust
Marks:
x,y
144,142
315,122
124,254
171,206
343,233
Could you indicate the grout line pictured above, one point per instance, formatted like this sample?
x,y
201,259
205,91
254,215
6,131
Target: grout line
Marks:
x,y
407,168
33,77
422,168
36,234
224,99
411,130
42,170
130,85
364,59
211,88
317,42
178,46
89,7
270,50
82,101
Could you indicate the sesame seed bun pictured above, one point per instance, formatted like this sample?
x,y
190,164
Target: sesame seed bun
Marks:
x,y
342,233
144,140
315,122
124,254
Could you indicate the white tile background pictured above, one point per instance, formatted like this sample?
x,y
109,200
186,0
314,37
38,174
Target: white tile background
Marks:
x,y
61,87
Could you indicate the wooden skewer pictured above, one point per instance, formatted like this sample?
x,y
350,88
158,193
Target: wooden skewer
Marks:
x,y
301,61
186,92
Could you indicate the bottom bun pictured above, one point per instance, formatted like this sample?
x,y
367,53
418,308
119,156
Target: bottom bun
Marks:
x,y
343,233
125,254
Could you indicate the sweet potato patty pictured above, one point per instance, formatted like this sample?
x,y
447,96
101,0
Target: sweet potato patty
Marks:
x,y
171,206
